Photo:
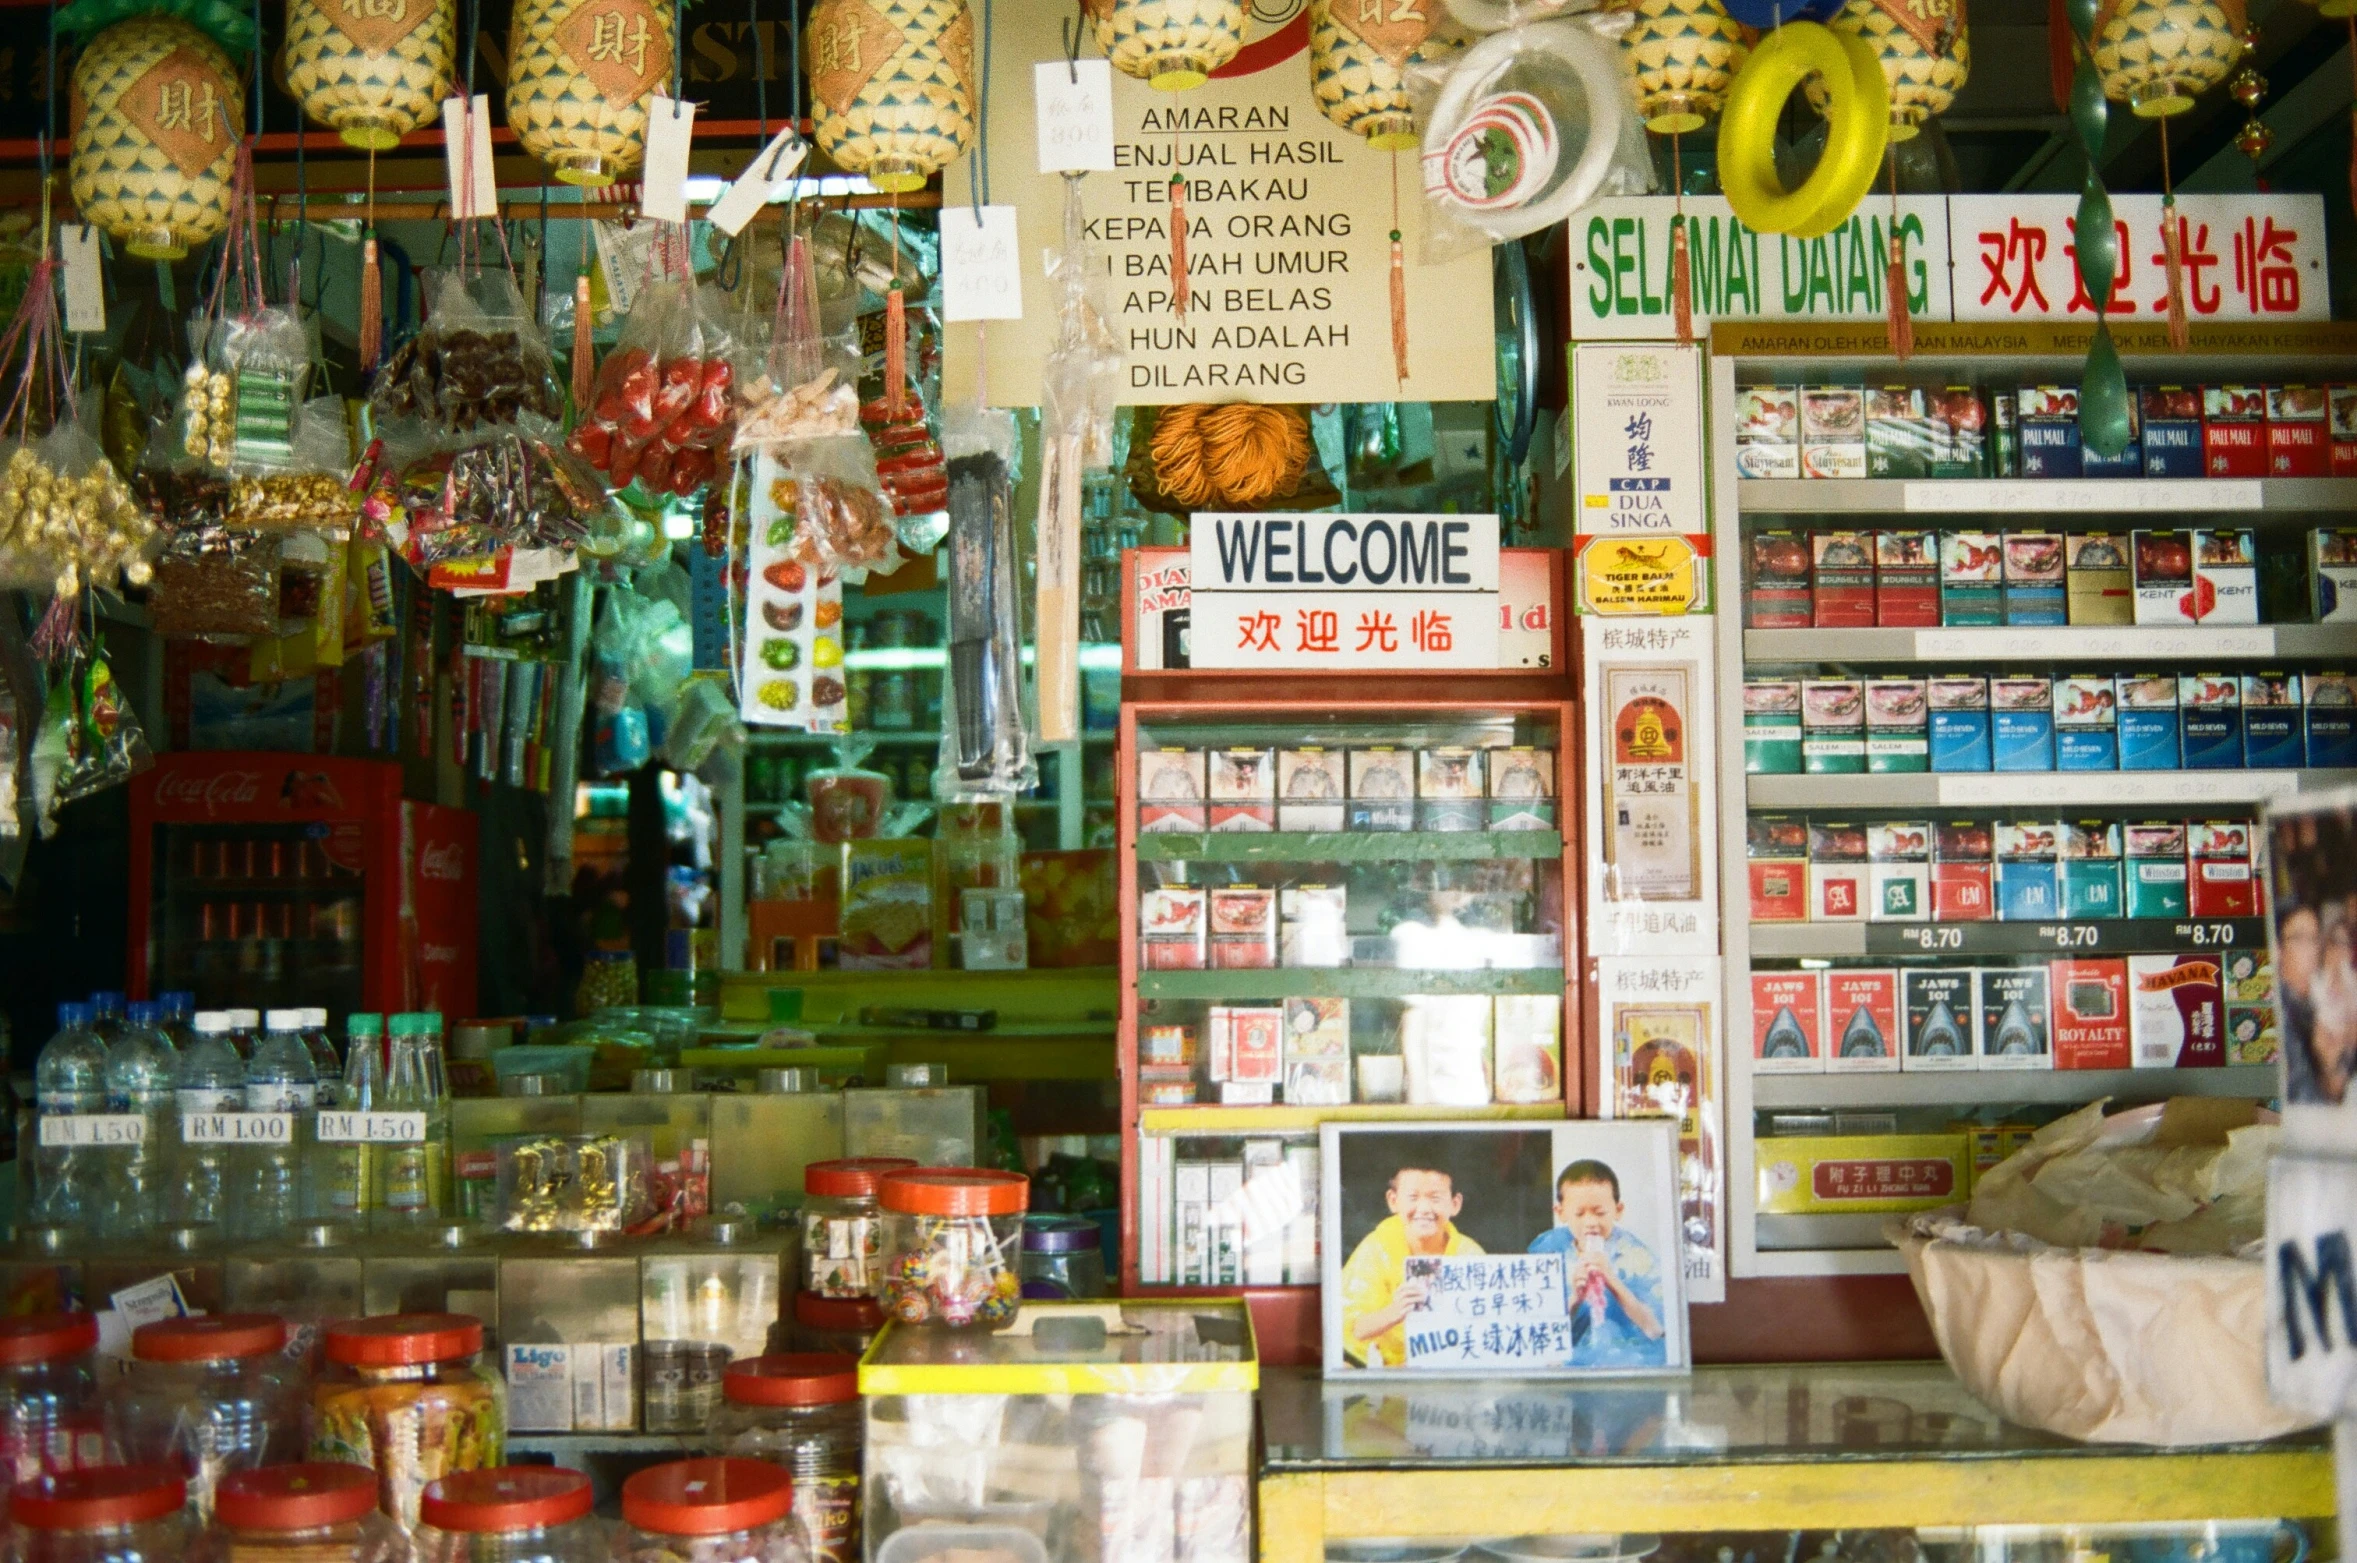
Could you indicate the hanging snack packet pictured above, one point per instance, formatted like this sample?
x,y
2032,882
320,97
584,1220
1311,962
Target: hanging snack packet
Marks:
x,y
986,753
89,740
480,360
661,406
844,521
793,659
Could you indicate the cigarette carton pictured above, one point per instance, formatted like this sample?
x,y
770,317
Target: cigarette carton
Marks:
x,y
2299,443
2225,575
2234,431
1833,726
2021,724
1771,727
2332,720
1941,1005
2162,563
2029,870
2209,711
1901,441
2172,431
1841,581
2176,1014
1962,883
1959,709
2148,725
1861,1021
2086,727
2091,869
1898,871
1972,578
2034,578
1898,726
1906,579
1832,431
2090,1014
1837,873
2273,736
1787,1022
1776,852
2095,579
1767,431
2155,863
2050,431
2014,1018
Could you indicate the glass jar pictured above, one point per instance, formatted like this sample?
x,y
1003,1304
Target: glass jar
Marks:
x,y
1063,1258
847,1325
49,1418
309,1513
209,1394
509,1514
110,1514
709,1511
842,1233
801,1413
953,1246
411,1396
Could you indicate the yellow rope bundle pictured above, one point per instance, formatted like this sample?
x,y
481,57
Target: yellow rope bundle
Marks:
x,y
1237,454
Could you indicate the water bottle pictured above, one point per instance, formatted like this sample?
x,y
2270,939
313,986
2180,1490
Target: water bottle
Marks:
x,y
179,1007
323,1054
141,1066
106,1014
244,1026
69,1077
405,1180
279,1079
210,1079
344,1185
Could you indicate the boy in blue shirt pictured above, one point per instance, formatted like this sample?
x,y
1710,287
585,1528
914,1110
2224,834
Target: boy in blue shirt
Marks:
x,y
1613,1278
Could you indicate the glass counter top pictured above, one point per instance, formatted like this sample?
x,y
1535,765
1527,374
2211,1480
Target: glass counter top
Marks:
x,y
1786,1413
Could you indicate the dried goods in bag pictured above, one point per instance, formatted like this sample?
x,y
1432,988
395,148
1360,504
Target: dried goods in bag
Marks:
x,y
840,517
662,404
480,359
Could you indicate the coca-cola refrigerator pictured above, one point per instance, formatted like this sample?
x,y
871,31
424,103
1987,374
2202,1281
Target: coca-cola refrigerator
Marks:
x,y
287,880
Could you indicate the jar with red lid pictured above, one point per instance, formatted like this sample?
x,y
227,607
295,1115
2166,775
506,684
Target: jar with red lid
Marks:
x,y
842,1231
800,1412
210,1394
107,1514
310,1513
413,1397
953,1246
709,1511
838,1324
49,1413
509,1514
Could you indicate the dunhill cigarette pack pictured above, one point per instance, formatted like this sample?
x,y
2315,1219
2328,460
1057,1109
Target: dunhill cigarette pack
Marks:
x,y
1841,582
1906,579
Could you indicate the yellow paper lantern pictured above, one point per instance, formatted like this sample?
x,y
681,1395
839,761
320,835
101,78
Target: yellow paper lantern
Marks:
x,y
371,70
892,83
579,75
1171,44
2157,56
156,149
1926,55
1681,57
1359,51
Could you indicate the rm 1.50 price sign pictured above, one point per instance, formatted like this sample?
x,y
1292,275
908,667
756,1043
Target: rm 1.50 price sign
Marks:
x,y
1345,593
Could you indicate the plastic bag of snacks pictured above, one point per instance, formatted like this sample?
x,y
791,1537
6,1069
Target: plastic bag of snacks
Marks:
x,y
842,519
216,581
313,489
661,406
89,740
519,489
804,383
480,360
67,516
908,459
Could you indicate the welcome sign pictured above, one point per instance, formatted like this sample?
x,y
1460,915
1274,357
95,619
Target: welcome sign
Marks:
x,y
1358,591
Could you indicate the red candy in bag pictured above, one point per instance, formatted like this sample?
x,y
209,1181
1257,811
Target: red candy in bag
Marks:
x,y
908,460
661,406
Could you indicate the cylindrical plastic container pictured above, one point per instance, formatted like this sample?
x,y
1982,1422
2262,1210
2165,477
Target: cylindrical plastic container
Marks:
x,y
49,1415
845,1325
208,1395
842,1229
709,1511
953,1246
411,1396
109,1514
509,1514
310,1513
801,1413
1063,1258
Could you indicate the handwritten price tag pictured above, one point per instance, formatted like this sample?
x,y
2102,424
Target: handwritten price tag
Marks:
x,y
981,276
1074,103
357,1128
89,1131
237,1128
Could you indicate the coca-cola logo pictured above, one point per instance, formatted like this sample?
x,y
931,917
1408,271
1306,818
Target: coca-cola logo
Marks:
x,y
213,793
443,860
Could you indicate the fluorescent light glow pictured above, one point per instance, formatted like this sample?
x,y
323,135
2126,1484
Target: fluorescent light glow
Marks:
x,y
678,525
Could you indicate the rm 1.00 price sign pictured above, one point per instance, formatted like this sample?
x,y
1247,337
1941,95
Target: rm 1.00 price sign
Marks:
x,y
1346,593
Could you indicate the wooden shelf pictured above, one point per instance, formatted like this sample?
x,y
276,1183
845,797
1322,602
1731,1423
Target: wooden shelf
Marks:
x,y
1347,846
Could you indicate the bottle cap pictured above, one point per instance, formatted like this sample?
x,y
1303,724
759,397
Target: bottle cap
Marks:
x,y
144,1012
72,1015
707,1497
294,1497
532,1085
954,1191
659,1082
364,1023
102,1495
838,1315
814,1378
786,1082
1060,1235
402,1339
283,1020
246,1019
213,1023
505,1498
314,1016
208,1337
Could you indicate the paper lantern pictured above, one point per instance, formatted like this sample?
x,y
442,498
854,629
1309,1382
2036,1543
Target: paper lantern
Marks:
x,y
1681,56
1170,44
1358,50
893,86
371,70
2158,57
1926,55
162,110
579,73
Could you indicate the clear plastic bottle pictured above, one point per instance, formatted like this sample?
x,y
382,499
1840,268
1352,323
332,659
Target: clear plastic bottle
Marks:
x,y
344,1186
209,1394
141,1068
179,1015
410,1178
70,1077
48,1396
106,1014
323,1054
211,1079
245,1028
279,1079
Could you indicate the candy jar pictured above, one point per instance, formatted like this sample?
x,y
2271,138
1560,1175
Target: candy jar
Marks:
x,y
509,1514
209,1394
842,1231
109,1514
48,1396
802,1414
709,1511
412,1397
834,1324
953,1246
313,1513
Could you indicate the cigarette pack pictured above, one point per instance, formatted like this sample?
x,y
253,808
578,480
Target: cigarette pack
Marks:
x,y
1311,784
2299,443
1528,1045
2251,1034
2272,733
2034,579
1906,579
1449,789
2021,724
2332,573
1832,431
1767,431
1898,726
2341,405
2128,463
1959,710
1313,925
2172,431
1833,726
2234,431
2225,575
1250,1040
2004,434
1841,579
2014,1021
2095,579
1166,1046
1171,927
1317,1028
1972,578
1861,1020
2148,729
1900,438
2249,976
1771,726
2086,736
1243,776
2155,861
1522,787
1788,1022
2209,713
1960,428
1243,928
1898,871
1837,872
2091,869
2223,882
2029,870
1382,789
1170,790
1779,593
2090,1014
1242,818
1941,1005
1776,853
2050,431
1172,819
2176,1013
2332,720
1317,1082
2162,563
1962,884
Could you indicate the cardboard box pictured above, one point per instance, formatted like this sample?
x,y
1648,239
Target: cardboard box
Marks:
x,y
1841,580
1243,776
1898,871
2341,407
2049,431
1171,786
2148,726
2156,875
1833,726
1242,818
1521,776
2248,975
2223,879
1771,727
1861,1174
2090,1014
2021,723
2225,575
1243,928
1776,852
1382,789
2234,431
1528,1041
1172,924
2034,578
2086,727
1906,579
2096,582
1972,578
2209,715
2029,870
2251,1034
1960,428
2273,734
2091,865
2162,564
1861,1020
2004,434
1247,1043
1832,431
2172,442
1963,886
1898,726
1449,789
2332,573
1311,784
1787,1022
2176,1013
1837,873
1901,441
2014,1019
1941,1006
2299,443
2331,714
1959,710
1767,431
1777,596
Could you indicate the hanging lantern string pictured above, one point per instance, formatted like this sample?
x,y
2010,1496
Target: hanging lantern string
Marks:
x,y
1399,284
2180,328
1681,252
259,51
1898,313
34,333
48,137
2352,109
760,69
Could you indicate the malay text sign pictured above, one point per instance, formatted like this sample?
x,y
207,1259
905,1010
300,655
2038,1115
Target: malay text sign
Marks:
x,y
1502,1311
1361,591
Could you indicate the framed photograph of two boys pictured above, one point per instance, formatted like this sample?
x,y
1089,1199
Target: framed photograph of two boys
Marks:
x,y
1508,1250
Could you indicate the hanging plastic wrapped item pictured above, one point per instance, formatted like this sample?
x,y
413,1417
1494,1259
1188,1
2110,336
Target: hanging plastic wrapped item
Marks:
x,y
89,740
661,407
1080,383
805,383
313,488
985,751
792,672
216,582
842,519
479,360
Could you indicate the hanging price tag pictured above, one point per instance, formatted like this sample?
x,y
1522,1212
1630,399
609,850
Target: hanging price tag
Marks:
x,y
474,187
981,274
359,1128
772,166
627,255
85,289
671,125
1074,103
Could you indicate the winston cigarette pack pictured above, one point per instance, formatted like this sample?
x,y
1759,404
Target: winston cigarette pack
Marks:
x,y
2155,878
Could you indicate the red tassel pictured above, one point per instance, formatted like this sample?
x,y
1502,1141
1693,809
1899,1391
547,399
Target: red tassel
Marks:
x,y
1681,282
2173,252
895,352
1179,291
1898,319
1399,309
584,349
372,306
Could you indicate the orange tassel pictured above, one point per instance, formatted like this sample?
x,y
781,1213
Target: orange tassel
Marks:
x,y
895,352
372,306
1898,319
1681,282
1399,309
1179,291
584,349
2173,254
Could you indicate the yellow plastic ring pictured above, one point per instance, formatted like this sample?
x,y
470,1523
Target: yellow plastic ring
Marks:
x,y
1857,128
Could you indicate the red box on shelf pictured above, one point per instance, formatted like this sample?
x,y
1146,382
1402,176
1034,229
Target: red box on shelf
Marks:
x,y
2234,431
2091,1014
